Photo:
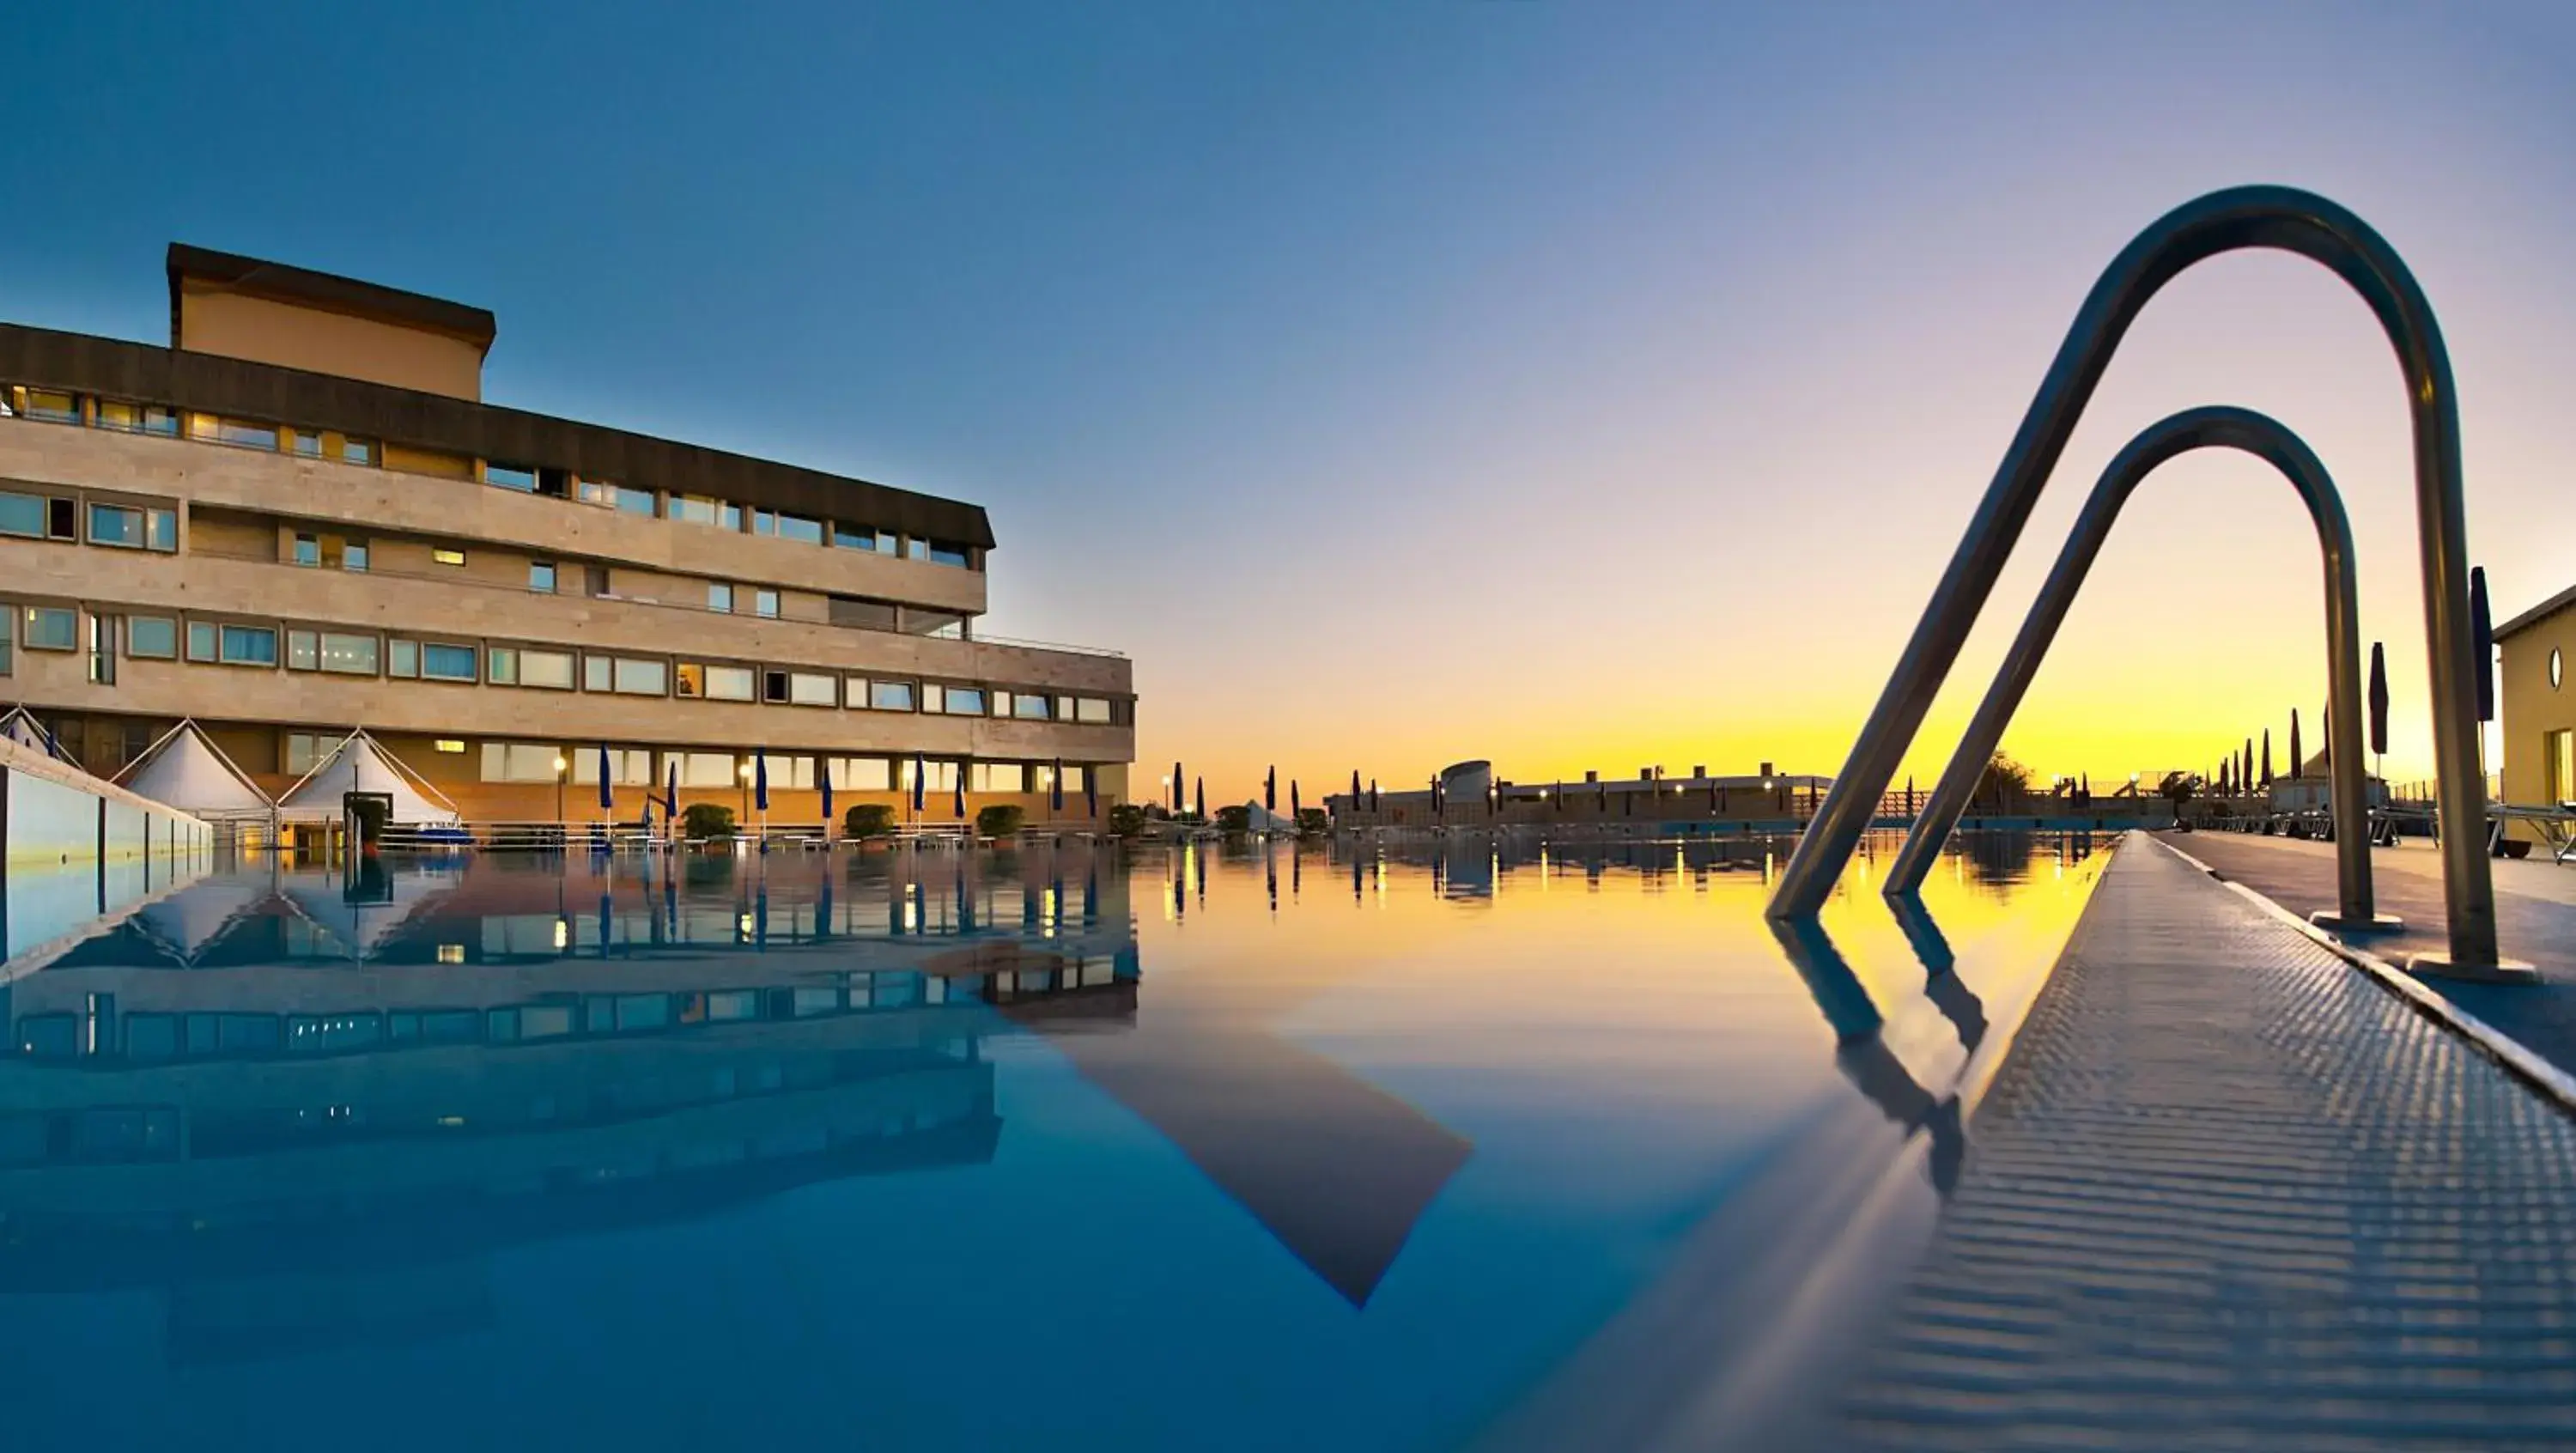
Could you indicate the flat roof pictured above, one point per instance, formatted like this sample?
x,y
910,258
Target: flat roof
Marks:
x,y
281,282
2537,613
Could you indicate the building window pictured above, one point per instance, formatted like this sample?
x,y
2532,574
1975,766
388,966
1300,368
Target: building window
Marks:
x,y
1030,708
548,670
501,666
8,645
727,683
128,418
963,701
773,686
617,497
806,688
1091,709
705,769
936,776
447,557
102,650
862,774
541,576
240,433
353,556
890,696
523,762
866,615
249,645
943,553
349,655
303,651
511,476
636,677
38,517
627,767
764,603
201,640
47,405
152,637
450,745
787,527
127,527
51,628
308,550
862,537
306,750
999,777
402,658
357,451
308,443
720,598
698,509
446,663
598,672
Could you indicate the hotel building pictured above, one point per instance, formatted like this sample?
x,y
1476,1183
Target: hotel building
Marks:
x,y
2537,650
301,518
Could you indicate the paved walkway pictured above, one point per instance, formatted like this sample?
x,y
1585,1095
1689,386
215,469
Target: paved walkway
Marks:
x,y
2228,1192
2535,921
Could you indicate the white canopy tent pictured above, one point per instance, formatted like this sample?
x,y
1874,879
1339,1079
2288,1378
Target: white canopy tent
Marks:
x,y
192,774
20,725
361,764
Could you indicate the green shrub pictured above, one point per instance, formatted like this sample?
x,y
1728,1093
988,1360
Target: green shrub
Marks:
x,y
868,819
1313,822
1126,819
1234,819
706,819
1002,819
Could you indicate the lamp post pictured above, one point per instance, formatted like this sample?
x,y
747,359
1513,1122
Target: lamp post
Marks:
x,y
744,772
563,767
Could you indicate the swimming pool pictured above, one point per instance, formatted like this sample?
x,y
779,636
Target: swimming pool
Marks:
x,y
1449,1144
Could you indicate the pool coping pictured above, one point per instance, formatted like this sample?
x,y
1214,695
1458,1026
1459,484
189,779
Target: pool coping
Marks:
x,y
2516,1058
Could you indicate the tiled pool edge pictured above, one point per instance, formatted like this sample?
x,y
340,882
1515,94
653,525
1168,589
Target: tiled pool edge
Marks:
x,y
1748,1359
2516,1058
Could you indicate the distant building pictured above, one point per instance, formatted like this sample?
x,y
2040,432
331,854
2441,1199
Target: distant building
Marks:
x,y
1470,795
2539,706
2311,789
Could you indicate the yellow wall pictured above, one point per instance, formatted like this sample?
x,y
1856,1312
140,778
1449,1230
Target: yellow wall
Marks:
x,y
214,320
2531,707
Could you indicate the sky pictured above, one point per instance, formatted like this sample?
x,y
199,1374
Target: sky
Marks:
x,y
1570,385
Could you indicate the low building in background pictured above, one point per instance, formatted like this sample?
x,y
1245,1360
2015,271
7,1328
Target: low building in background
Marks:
x,y
1468,794
301,518
2539,708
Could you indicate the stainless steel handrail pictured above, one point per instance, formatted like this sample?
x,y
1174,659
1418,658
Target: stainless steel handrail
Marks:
x,y
2206,428
2244,217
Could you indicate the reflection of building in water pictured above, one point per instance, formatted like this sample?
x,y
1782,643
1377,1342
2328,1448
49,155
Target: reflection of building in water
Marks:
x,y
223,1099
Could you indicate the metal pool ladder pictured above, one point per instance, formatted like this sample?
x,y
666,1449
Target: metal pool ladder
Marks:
x,y
2242,217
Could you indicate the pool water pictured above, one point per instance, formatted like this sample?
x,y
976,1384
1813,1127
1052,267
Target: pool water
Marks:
x,y
1200,1147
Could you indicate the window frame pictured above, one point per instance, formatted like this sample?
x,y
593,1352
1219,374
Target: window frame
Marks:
x,y
474,667
172,622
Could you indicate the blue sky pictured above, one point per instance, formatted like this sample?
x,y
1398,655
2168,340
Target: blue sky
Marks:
x,y
1577,385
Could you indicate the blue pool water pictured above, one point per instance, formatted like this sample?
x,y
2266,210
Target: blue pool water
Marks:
x,y
1185,1148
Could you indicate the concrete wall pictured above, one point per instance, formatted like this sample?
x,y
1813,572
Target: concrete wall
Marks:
x,y
213,319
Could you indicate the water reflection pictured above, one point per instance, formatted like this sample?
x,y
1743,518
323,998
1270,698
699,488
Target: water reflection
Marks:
x,y
1414,1145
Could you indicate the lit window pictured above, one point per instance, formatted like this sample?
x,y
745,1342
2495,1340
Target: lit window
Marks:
x,y
551,670
936,776
523,762
999,777
805,688
130,528
49,405
449,745
137,418
402,658
1091,709
934,699
349,655
764,603
51,628
303,651
308,550
447,557
249,646
706,769
642,678
541,576
890,695
152,637
862,774
241,433
729,683
511,476
720,598
446,663
627,767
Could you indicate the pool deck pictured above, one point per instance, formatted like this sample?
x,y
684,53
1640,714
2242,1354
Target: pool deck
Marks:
x,y
2535,921
2230,1190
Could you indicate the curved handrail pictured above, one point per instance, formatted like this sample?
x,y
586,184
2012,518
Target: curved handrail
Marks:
x,y
2274,217
2206,428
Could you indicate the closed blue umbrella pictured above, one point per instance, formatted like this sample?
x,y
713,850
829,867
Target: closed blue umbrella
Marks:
x,y
920,785
2298,758
1091,791
1200,797
1180,784
760,779
671,793
607,800
1355,789
1270,791
2482,639
961,791
1055,789
1372,794
824,768
1296,808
